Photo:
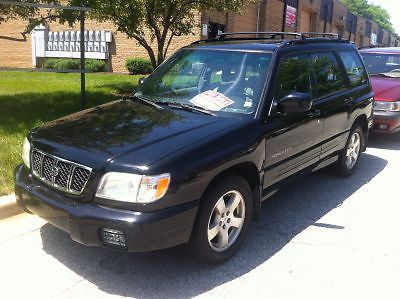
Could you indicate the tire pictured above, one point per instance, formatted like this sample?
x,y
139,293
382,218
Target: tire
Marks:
x,y
219,231
350,156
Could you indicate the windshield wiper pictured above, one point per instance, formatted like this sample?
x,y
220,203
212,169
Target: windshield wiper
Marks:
x,y
144,100
188,107
177,105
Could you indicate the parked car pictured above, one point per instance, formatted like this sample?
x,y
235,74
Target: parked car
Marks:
x,y
214,131
383,65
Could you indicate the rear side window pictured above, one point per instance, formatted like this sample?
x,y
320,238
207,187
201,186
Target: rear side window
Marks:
x,y
328,75
293,76
354,68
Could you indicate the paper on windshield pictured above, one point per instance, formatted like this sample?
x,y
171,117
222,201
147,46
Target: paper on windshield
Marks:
x,y
212,100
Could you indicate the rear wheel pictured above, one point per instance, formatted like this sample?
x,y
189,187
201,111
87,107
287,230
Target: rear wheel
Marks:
x,y
349,157
223,220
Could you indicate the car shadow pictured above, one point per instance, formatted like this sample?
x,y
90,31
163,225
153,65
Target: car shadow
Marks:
x,y
385,141
174,273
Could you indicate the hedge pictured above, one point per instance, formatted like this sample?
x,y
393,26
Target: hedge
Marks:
x,y
139,66
92,65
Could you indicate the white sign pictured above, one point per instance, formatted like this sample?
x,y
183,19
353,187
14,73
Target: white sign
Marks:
x,y
374,39
212,100
204,30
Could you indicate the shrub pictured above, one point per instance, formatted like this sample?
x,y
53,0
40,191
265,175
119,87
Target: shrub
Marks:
x,y
67,64
139,66
93,65
49,63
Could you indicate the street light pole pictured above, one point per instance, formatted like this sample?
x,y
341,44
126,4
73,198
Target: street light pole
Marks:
x,y
82,16
284,15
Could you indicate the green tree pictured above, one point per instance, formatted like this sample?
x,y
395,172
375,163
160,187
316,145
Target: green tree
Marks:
x,y
33,16
149,22
152,22
370,11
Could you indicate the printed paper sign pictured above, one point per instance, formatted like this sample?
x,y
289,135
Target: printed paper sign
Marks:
x,y
291,16
212,100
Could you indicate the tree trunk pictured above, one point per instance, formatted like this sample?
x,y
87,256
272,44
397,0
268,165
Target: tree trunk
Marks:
x,y
160,50
148,48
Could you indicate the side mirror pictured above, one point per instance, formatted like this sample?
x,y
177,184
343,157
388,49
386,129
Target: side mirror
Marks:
x,y
295,102
141,80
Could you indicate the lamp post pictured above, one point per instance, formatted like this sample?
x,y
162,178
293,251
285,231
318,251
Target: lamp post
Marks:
x,y
83,77
284,15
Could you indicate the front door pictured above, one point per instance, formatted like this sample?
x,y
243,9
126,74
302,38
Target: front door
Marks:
x,y
292,139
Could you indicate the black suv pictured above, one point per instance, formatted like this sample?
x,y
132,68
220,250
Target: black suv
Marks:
x,y
212,133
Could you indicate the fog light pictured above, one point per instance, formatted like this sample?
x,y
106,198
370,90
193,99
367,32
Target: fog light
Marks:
x,y
113,237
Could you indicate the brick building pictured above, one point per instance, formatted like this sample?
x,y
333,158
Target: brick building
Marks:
x,y
267,15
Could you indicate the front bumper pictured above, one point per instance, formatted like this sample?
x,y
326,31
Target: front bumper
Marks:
x,y
386,122
85,221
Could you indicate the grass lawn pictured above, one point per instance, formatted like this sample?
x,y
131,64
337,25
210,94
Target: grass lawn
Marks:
x,y
28,99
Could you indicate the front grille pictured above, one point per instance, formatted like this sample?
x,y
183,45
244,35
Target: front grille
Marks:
x,y
59,173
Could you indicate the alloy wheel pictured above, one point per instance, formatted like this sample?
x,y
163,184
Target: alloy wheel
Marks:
x,y
226,221
353,150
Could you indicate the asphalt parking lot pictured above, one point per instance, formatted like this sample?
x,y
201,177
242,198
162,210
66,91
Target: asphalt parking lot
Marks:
x,y
321,237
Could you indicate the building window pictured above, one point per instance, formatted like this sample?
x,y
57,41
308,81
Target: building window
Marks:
x,y
389,43
368,28
326,12
214,29
380,36
351,23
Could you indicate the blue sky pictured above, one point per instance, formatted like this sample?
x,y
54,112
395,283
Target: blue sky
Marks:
x,y
392,6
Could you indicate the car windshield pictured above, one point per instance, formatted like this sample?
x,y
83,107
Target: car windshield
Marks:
x,y
219,81
378,63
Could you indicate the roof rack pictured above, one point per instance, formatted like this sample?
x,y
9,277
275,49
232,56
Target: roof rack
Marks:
x,y
367,47
322,34
270,35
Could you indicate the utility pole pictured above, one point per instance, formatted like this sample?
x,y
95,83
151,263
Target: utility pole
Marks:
x,y
83,79
284,15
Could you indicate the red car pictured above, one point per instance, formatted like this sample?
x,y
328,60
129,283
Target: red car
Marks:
x,y
383,65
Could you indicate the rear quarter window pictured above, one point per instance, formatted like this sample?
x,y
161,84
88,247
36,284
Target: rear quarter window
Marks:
x,y
354,68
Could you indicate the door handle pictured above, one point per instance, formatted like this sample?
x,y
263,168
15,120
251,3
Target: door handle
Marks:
x,y
348,101
314,113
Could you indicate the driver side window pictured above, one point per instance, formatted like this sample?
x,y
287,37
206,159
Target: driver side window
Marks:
x,y
293,76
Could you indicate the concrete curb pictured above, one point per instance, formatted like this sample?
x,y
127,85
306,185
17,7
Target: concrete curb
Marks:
x,y
8,206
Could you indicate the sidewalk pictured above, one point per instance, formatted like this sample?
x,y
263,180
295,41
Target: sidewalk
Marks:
x,y
8,206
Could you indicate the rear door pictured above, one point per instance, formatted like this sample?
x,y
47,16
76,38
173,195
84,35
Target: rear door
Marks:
x,y
332,94
292,139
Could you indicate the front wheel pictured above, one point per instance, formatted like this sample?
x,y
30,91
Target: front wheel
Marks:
x,y
223,220
350,156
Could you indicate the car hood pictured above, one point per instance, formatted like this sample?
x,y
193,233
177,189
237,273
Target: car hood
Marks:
x,y
98,136
385,88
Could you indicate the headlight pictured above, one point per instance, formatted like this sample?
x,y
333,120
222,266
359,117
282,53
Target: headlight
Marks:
x,y
26,153
133,188
387,106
